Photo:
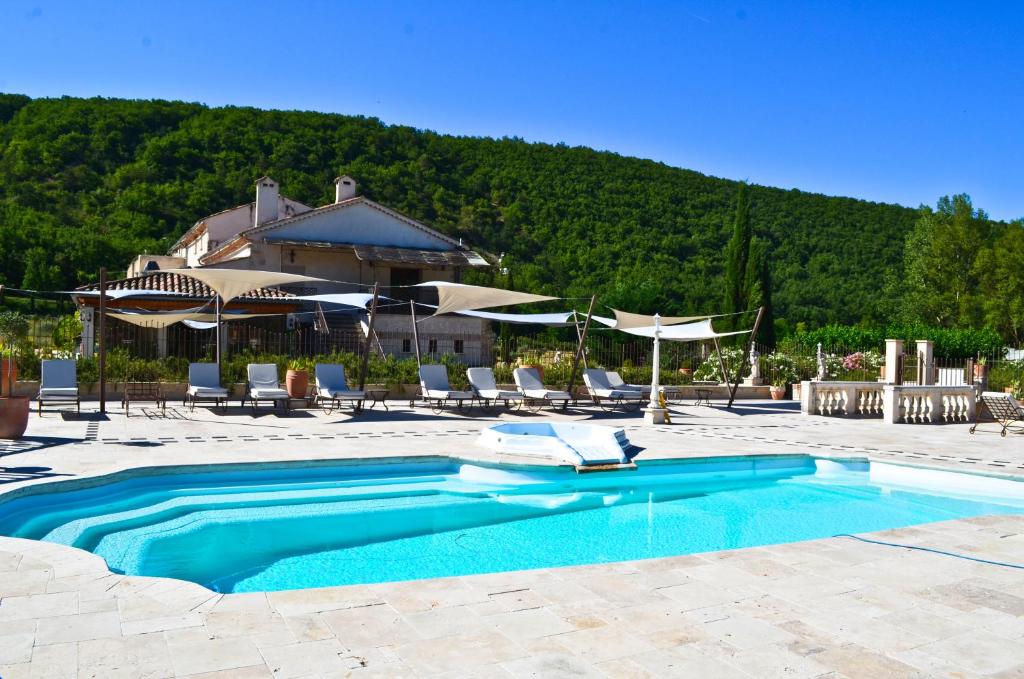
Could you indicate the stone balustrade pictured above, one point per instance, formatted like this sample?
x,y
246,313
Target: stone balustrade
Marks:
x,y
895,404
908,404
841,398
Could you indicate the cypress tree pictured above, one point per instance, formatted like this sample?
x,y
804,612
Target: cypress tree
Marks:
x,y
747,278
759,292
737,253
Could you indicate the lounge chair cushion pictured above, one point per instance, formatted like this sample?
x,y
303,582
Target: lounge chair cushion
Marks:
x,y
268,393
499,394
54,393
342,394
547,394
616,382
600,386
207,392
530,386
482,381
627,394
448,395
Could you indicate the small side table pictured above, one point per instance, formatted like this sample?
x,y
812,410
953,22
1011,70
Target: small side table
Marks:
x,y
376,396
703,396
143,391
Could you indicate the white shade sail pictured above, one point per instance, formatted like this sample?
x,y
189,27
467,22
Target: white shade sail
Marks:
x,y
560,318
230,283
118,294
356,299
199,325
625,320
162,320
453,297
686,332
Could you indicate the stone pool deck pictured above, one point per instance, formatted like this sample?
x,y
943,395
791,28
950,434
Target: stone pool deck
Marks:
x,y
836,607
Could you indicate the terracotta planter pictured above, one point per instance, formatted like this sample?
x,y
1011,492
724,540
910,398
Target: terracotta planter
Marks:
x,y
778,393
685,371
13,417
297,383
3,376
539,368
980,371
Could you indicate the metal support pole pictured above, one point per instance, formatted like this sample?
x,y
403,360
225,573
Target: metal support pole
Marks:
x,y
103,340
369,338
581,349
743,365
216,303
415,332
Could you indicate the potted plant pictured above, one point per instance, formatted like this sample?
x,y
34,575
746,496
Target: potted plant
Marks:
x,y
13,409
778,388
981,369
297,377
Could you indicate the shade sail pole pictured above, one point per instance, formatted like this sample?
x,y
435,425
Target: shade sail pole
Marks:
x,y
581,349
369,338
216,306
415,333
743,364
103,340
655,404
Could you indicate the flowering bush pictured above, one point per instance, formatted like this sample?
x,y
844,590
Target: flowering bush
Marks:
x,y
854,361
711,371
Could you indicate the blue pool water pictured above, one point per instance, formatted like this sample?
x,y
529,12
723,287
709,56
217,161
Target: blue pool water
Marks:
x,y
296,527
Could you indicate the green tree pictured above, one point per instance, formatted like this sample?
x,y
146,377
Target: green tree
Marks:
x,y
737,254
759,290
1000,268
940,276
40,274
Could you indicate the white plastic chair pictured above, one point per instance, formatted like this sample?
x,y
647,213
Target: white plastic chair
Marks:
x,y
59,384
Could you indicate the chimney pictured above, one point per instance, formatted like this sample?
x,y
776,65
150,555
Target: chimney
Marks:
x,y
266,200
344,188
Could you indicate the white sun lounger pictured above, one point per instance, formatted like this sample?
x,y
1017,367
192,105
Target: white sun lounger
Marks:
x,y
264,386
481,381
59,384
436,390
204,385
616,382
602,391
332,388
534,391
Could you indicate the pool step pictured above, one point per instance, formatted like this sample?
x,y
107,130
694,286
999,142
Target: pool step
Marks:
x,y
614,467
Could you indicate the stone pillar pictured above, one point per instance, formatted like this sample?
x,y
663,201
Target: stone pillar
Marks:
x,y
925,362
890,403
88,315
893,352
161,342
807,398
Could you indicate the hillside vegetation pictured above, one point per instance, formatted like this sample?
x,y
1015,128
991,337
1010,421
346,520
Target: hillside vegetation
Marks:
x,y
86,183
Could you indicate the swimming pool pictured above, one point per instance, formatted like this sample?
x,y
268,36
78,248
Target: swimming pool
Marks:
x,y
298,526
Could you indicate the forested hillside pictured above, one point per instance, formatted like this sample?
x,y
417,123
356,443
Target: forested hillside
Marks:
x,y
91,182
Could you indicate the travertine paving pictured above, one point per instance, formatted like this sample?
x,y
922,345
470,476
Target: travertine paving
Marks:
x,y
828,608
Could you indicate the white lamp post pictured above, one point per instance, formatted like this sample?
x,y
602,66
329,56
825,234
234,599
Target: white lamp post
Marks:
x,y
654,413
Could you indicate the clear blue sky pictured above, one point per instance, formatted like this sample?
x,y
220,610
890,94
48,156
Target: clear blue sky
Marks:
x,y
892,101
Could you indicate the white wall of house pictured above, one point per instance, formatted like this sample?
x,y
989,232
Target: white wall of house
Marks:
x,y
359,224
224,226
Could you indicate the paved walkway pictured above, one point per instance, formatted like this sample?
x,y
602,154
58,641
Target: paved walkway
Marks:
x,y
827,608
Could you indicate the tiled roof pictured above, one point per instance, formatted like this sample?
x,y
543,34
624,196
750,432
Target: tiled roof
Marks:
x,y
177,284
